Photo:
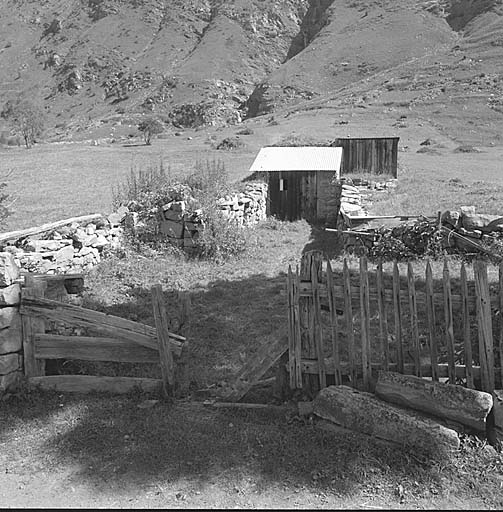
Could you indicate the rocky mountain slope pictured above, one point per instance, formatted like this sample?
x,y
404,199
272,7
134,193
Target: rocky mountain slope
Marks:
x,y
216,62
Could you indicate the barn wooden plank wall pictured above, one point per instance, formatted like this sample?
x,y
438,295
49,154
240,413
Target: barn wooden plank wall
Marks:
x,y
369,155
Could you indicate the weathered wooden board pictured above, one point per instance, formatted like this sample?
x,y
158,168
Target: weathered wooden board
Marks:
x,y
165,356
462,405
97,322
365,413
88,348
89,383
22,233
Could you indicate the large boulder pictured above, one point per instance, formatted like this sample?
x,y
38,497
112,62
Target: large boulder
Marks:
x,y
9,271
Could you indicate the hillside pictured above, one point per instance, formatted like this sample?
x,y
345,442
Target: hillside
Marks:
x,y
217,62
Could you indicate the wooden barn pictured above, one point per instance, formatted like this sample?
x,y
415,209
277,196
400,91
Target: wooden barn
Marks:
x,y
301,181
373,155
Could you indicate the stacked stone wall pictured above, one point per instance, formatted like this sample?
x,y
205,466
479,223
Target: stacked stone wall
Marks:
x,y
11,339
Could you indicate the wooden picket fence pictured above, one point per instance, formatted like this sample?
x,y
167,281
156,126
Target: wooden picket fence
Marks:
x,y
117,340
345,329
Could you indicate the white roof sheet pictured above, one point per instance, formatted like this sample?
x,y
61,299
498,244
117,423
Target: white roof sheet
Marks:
x,y
304,158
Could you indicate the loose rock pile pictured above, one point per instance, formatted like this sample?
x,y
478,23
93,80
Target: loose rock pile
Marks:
x,y
74,247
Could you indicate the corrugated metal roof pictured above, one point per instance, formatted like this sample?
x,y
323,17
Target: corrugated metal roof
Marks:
x,y
305,158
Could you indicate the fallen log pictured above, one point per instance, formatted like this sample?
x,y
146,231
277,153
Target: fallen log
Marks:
x,y
23,233
447,401
365,413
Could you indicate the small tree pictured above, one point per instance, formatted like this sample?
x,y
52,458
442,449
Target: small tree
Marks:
x,y
25,118
149,127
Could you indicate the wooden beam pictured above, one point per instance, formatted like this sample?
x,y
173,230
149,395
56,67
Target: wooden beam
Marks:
x,y
165,356
87,348
23,233
89,383
97,322
311,366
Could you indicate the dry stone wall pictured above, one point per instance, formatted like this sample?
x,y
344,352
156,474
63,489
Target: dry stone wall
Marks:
x,y
11,344
182,227
73,247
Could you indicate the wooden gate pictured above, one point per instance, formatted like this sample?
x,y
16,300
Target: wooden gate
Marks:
x,y
344,327
114,339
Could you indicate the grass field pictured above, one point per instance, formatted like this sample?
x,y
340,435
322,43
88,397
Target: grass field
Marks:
x,y
62,450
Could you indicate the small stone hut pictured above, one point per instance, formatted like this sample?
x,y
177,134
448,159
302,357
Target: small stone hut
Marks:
x,y
302,182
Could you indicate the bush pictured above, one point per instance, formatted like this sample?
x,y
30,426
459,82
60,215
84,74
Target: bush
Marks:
x,y
149,127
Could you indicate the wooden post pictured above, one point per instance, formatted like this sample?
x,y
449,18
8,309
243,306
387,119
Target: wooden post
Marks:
x,y
291,329
465,312
348,314
430,311
334,324
33,288
318,334
297,333
311,261
398,317
383,318
413,318
365,323
449,324
484,326
501,320
161,324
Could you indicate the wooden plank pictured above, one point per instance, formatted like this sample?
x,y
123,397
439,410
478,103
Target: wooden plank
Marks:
x,y
88,348
161,324
465,314
291,329
500,294
307,315
310,366
383,316
348,315
484,326
33,289
90,383
305,291
255,368
398,317
23,233
97,322
318,336
365,323
334,323
298,335
430,315
449,322
413,318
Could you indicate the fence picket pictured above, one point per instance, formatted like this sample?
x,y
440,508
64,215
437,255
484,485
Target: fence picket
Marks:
x,y
348,313
298,335
449,324
413,318
500,294
383,318
430,312
334,324
291,329
365,323
484,326
398,317
467,342
318,335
